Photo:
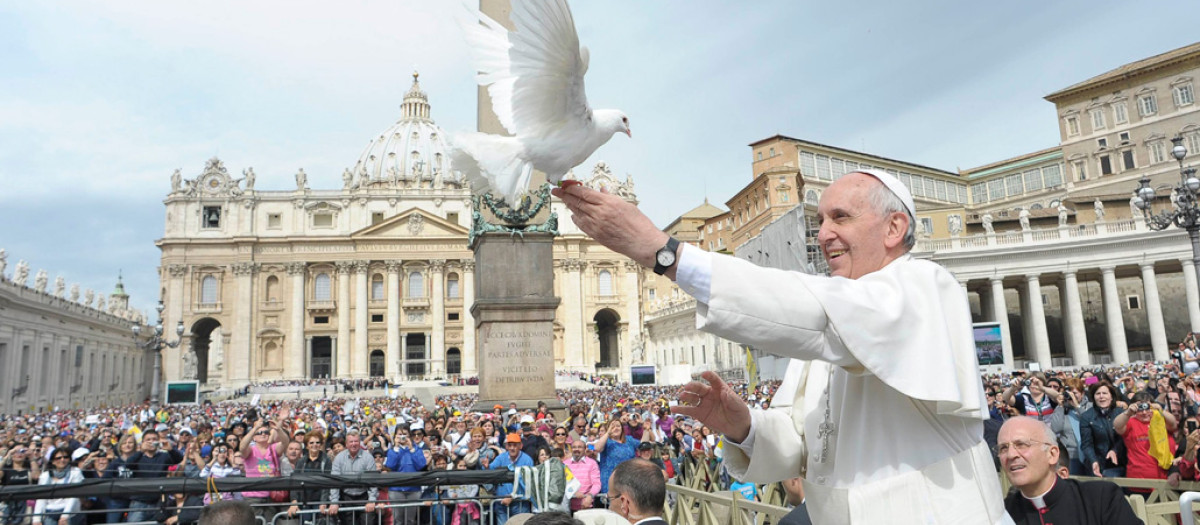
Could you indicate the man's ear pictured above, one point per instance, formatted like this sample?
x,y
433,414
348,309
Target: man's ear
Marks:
x,y
897,227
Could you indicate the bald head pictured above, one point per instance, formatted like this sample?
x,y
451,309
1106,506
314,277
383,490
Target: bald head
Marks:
x,y
1028,452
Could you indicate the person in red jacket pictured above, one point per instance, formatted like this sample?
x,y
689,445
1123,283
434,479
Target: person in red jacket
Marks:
x,y
1133,425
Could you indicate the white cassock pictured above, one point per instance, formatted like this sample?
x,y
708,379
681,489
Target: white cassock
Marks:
x,y
897,351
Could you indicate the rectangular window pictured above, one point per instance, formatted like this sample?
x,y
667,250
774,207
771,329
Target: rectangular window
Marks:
x,y
274,221
376,217
321,319
1014,184
1102,143
1127,159
1123,136
1158,152
1033,179
808,164
772,152
979,192
941,190
1147,105
1097,118
452,217
211,217
839,168
1194,143
322,220
917,186
452,316
1183,95
996,189
1072,126
823,168
1120,113
1105,165
376,318
651,294
1052,175
907,179
1080,168
1134,302
760,155
851,166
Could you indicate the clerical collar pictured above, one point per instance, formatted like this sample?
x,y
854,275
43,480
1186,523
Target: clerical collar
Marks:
x,y
1039,501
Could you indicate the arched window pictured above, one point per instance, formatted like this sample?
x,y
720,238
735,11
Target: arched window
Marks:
x,y
452,286
416,285
272,289
377,287
605,282
810,197
321,287
208,290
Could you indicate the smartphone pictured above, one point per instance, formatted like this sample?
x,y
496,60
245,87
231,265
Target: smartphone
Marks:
x,y
1191,426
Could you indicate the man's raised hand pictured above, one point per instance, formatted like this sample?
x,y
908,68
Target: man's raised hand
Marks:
x,y
715,405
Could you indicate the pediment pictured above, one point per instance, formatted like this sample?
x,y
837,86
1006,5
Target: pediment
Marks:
x,y
411,223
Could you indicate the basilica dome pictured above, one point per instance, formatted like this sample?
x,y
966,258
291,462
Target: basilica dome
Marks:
x,y
414,149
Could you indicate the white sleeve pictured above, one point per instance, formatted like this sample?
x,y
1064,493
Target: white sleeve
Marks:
x,y
780,452
694,274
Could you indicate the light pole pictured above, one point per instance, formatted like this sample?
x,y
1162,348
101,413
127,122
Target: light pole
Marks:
x,y
1186,206
155,343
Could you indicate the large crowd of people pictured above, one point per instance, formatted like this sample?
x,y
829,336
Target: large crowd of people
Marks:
x,y
1136,421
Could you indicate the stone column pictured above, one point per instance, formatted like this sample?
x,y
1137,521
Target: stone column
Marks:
x,y
436,349
341,348
392,366
1158,331
1112,317
293,365
173,307
574,353
239,356
359,362
1193,293
1037,318
1026,330
985,303
633,313
403,364
1072,320
469,365
308,356
1000,315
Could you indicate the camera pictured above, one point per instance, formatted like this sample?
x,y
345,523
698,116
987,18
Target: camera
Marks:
x,y
1143,406
1026,382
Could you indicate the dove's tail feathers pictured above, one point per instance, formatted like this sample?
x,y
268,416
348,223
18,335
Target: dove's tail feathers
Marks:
x,y
492,162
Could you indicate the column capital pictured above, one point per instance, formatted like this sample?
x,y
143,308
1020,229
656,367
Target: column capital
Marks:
x,y
1146,266
1187,261
437,265
996,280
468,265
1108,270
631,266
177,270
1069,273
344,267
245,268
361,266
297,268
1033,277
393,266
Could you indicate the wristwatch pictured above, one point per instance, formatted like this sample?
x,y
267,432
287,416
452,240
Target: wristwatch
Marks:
x,y
665,257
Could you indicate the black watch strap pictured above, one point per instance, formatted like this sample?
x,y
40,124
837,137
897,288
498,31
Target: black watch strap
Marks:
x,y
673,247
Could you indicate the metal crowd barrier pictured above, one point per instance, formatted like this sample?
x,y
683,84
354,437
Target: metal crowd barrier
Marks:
x,y
379,508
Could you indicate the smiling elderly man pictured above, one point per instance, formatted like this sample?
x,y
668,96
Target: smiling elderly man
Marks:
x,y
887,425
1029,457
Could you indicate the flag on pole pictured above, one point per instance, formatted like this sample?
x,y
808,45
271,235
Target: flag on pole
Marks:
x,y
751,371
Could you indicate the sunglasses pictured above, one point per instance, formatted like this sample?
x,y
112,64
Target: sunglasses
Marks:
x,y
263,433
560,433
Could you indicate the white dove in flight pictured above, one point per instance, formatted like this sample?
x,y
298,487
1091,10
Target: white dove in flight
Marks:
x,y
534,75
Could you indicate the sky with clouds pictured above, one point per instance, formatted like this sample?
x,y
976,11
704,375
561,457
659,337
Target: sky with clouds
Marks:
x,y
101,101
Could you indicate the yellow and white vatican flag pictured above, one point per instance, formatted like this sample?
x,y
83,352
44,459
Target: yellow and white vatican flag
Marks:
x,y
751,371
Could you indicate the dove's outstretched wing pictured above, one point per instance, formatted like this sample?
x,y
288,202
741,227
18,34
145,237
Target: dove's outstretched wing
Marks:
x,y
535,73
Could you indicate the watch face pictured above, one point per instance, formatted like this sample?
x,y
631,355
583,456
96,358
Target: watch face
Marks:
x,y
666,258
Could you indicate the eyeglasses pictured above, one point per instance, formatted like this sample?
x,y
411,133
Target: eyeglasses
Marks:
x,y
1021,446
311,443
560,433
263,433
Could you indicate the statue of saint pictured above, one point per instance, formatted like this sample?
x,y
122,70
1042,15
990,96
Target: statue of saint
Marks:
x,y
176,181
248,175
188,361
1062,215
1099,208
75,293
100,303
363,178
60,287
40,282
301,180
1023,217
987,223
88,297
3,263
347,179
955,224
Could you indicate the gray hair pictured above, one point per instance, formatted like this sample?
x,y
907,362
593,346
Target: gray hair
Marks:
x,y
884,202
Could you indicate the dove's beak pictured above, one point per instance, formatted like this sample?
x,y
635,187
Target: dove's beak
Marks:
x,y
629,132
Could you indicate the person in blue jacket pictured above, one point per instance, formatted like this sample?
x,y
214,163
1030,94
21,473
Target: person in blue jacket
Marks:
x,y
404,457
514,458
